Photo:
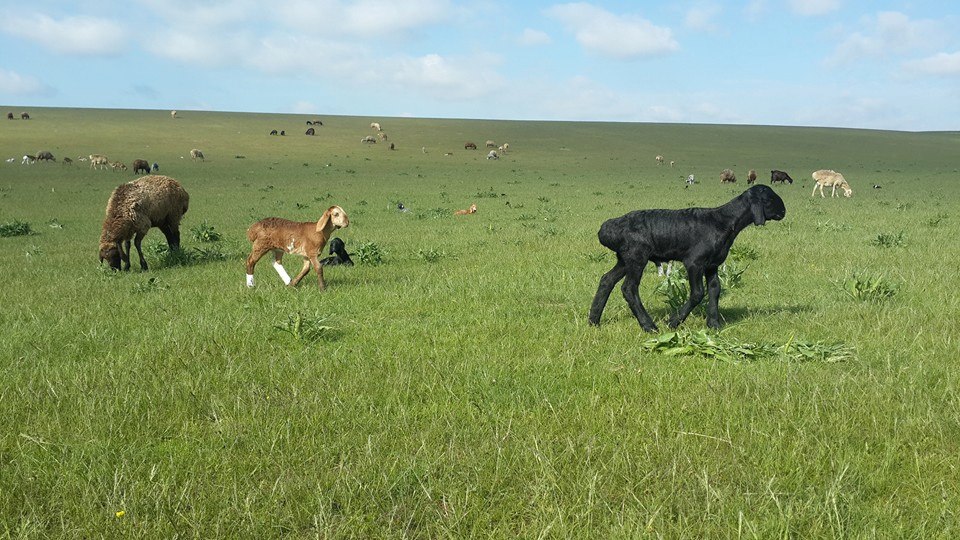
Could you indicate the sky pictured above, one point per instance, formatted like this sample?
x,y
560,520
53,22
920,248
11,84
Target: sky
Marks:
x,y
838,63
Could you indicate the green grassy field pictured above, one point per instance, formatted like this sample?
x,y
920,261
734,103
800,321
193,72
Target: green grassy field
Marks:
x,y
455,389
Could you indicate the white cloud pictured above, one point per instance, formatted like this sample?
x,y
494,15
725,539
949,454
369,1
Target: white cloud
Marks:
x,y
364,18
889,32
203,14
199,48
81,35
13,83
810,8
703,17
755,8
531,37
445,78
623,37
947,64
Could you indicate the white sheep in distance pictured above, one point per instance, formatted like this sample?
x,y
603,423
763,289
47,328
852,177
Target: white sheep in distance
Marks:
x,y
173,114
829,178
376,126
196,154
659,159
493,155
305,238
99,161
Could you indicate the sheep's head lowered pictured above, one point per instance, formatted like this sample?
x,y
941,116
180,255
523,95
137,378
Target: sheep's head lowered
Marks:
x,y
110,252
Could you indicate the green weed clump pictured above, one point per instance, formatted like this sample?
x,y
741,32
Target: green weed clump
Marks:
x,y
307,328
15,228
867,287
204,232
370,253
889,240
431,255
720,347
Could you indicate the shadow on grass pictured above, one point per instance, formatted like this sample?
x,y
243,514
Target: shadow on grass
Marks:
x,y
661,314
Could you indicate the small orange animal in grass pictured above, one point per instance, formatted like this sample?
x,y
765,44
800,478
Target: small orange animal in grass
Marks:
x,y
471,210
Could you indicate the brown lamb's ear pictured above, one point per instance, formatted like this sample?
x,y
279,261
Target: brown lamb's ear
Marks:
x,y
324,221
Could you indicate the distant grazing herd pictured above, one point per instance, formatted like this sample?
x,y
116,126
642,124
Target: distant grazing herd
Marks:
x,y
700,238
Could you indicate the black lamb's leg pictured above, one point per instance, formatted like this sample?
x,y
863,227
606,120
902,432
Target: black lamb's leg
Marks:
x,y
631,294
713,297
695,275
607,283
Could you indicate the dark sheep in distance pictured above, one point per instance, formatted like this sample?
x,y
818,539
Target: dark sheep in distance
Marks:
x,y
9,116
274,132
780,176
156,166
24,116
470,146
338,254
141,165
311,131
45,156
700,238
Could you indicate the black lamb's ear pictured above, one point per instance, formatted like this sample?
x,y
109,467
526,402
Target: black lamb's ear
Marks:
x,y
756,208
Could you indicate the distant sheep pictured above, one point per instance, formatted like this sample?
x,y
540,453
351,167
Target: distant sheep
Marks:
x,y
751,177
469,146
490,144
156,167
24,116
376,126
382,136
45,156
369,139
700,238
9,116
310,131
67,161
118,166
133,209
28,159
173,114
779,176
828,178
274,132
306,239
691,180
727,176
493,155
672,163
141,165
196,154
98,161
471,210
659,159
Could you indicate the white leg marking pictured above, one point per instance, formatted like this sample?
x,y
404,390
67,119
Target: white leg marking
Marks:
x,y
249,280
282,271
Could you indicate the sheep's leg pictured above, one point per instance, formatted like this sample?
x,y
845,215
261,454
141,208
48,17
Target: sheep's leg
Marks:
x,y
278,266
303,272
255,255
319,270
631,293
607,282
713,297
695,276
136,242
125,254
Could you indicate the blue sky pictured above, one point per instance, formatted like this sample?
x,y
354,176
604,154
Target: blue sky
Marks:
x,y
843,63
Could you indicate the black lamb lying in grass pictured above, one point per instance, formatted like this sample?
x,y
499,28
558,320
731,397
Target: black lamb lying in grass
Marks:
x,y
338,254
700,238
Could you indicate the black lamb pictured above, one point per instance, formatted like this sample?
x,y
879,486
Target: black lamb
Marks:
x,y
338,254
700,238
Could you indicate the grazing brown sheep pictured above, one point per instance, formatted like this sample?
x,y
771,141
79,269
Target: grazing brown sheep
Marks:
x,y
751,176
135,207
470,146
141,165
301,238
726,176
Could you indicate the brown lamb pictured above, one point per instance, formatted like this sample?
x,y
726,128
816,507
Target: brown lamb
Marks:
x,y
304,238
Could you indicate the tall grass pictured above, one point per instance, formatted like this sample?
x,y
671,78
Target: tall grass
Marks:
x,y
448,384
